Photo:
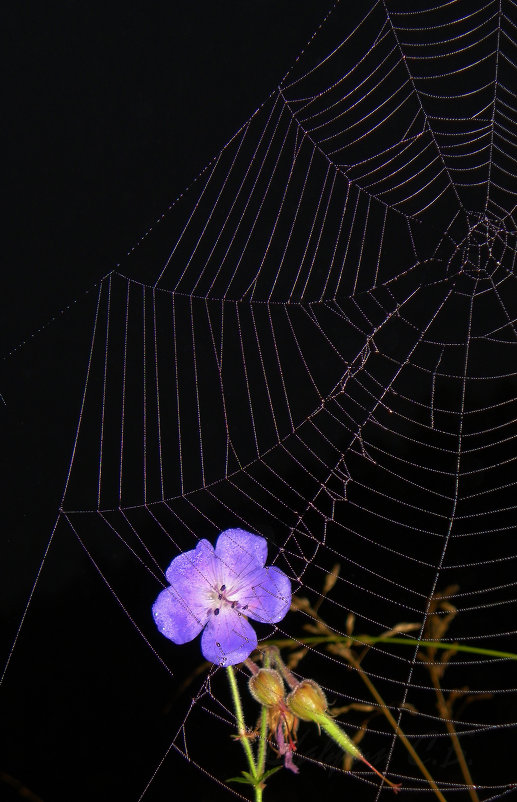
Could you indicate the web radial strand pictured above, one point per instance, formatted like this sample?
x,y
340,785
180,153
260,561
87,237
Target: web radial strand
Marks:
x,y
318,345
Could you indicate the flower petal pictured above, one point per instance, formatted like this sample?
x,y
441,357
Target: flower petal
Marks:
x,y
196,565
268,597
176,618
238,553
181,610
228,638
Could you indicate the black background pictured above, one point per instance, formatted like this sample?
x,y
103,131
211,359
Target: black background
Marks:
x,y
111,112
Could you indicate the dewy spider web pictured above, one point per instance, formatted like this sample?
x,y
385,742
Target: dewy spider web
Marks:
x,y
318,344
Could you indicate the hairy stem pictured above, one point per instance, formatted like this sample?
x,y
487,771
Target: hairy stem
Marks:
x,y
261,755
336,733
243,733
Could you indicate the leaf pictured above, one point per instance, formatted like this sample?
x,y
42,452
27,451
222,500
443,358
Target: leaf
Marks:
x,y
337,711
331,579
409,707
295,657
248,775
402,627
315,629
268,773
437,624
350,623
240,780
248,779
300,603
342,649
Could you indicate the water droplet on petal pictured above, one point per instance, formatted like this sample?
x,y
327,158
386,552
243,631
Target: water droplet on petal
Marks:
x,y
216,611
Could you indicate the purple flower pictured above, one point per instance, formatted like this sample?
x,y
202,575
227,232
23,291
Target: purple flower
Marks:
x,y
217,590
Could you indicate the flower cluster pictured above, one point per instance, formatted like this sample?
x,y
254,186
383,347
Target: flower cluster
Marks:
x,y
305,701
215,591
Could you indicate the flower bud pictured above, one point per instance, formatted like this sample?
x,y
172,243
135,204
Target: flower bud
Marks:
x,y
267,687
307,701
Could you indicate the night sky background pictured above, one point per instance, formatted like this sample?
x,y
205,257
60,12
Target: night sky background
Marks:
x,y
111,112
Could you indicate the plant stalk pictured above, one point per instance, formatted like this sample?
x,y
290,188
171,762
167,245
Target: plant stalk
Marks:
x,y
387,712
445,714
261,754
370,640
243,733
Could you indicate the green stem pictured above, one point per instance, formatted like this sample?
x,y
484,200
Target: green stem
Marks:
x,y
334,730
336,733
369,640
261,754
243,733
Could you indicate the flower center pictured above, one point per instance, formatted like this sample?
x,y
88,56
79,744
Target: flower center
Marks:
x,y
220,596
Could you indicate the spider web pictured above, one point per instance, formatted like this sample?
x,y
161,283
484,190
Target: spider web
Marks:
x,y
317,344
